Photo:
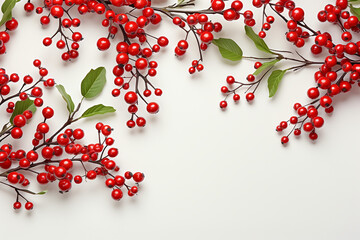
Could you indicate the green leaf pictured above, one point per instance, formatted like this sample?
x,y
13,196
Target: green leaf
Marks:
x,y
228,49
69,102
7,4
97,110
21,107
355,11
265,65
6,9
274,81
93,83
6,16
259,43
41,193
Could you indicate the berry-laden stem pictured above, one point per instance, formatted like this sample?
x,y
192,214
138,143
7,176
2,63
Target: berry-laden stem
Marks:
x,y
138,46
134,68
337,73
51,159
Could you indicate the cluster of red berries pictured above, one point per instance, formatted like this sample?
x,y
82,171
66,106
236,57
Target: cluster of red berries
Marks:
x,y
337,73
233,13
66,22
134,65
20,121
29,90
54,153
141,69
131,20
49,154
201,25
10,25
297,29
250,85
60,169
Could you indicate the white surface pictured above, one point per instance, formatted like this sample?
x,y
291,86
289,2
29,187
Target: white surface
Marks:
x,y
209,174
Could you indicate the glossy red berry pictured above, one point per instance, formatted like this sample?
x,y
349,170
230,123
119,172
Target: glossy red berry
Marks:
x,y
103,44
138,177
29,206
152,108
19,120
131,97
250,97
57,11
117,194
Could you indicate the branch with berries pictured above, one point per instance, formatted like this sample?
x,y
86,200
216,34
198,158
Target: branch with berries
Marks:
x,y
337,72
127,24
57,149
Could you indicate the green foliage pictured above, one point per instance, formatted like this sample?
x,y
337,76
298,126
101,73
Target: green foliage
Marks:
x,y
228,49
274,81
93,83
97,110
259,43
266,65
69,102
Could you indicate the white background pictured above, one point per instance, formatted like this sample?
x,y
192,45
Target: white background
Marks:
x,y
209,174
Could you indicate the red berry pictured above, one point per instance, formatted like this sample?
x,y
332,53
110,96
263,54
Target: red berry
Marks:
x,y
152,108
284,140
29,206
223,104
313,93
103,44
141,63
297,14
138,177
318,122
117,194
64,185
19,120
131,97
57,11
250,97
16,133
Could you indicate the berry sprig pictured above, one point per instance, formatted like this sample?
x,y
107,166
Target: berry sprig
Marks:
x,y
135,68
262,71
56,152
338,71
29,96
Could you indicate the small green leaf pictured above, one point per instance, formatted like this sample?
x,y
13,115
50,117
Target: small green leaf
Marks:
x,y
69,102
93,83
274,81
41,193
6,9
355,11
97,110
259,43
265,65
7,4
6,16
21,107
228,49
